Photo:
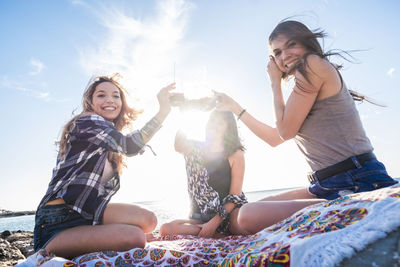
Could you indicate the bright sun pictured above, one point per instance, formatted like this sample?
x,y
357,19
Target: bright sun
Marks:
x,y
192,123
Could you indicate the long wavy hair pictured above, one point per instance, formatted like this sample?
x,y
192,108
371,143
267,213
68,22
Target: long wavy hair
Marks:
x,y
231,140
123,121
300,33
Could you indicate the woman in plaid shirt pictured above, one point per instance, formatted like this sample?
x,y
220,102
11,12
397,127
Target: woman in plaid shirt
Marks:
x,y
74,217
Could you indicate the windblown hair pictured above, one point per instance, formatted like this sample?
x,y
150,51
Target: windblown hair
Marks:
x,y
300,33
123,121
231,139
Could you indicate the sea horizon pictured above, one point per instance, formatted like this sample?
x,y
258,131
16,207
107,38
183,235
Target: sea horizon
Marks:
x,y
161,199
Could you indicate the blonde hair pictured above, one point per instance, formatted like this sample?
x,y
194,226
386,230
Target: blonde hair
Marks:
x,y
124,119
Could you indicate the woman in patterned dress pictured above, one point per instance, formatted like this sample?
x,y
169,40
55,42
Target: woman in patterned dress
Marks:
x,y
215,170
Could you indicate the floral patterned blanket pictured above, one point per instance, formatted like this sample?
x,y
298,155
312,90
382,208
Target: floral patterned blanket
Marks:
x,y
320,235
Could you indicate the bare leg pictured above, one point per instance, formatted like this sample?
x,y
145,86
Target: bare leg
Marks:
x,y
88,238
130,214
234,226
123,229
255,216
181,227
300,193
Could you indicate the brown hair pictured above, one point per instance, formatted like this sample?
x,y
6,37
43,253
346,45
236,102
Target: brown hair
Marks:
x,y
124,119
297,31
231,138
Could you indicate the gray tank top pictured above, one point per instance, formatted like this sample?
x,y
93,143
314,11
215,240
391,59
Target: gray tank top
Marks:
x,y
332,131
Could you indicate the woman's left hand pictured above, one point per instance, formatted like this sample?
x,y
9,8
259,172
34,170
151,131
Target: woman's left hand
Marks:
x,y
208,229
274,73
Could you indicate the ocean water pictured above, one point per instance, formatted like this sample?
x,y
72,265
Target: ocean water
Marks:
x,y
166,210
25,223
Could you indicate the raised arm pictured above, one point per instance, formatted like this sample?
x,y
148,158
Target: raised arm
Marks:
x,y
152,126
265,132
291,115
93,128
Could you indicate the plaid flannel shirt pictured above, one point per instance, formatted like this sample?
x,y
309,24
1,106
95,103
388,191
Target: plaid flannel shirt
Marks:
x,y
77,175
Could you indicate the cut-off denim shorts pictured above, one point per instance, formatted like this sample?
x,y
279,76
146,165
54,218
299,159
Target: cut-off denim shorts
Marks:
x,y
201,216
53,219
223,228
367,177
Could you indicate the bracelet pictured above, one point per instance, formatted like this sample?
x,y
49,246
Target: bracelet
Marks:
x,y
222,212
241,113
151,127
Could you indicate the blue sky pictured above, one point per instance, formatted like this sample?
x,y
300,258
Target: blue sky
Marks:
x,y
50,49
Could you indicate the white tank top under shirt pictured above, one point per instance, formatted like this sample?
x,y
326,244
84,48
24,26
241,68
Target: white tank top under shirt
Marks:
x,y
332,131
108,173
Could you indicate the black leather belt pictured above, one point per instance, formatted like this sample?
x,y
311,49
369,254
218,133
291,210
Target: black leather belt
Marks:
x,y
340,167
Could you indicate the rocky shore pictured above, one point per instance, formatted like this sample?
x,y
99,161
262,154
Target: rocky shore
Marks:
x,y
7,213
15,246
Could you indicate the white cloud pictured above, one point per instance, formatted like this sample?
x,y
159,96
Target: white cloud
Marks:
x,y
5,82
143,50
79,3
390,72
37,65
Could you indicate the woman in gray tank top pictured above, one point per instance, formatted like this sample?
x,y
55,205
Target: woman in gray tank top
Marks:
x,y
321,116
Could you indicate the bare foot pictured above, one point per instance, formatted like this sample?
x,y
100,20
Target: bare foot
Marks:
x,y
150,237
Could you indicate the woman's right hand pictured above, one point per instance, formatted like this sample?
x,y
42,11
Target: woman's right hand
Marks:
x,y
226,103
209,228
163,98
274,73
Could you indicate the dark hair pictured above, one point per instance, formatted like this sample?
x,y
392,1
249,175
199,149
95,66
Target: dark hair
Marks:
x,y
231,138
300,33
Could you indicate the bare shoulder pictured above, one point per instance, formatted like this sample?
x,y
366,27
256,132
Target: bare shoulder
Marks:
x,y
182,144
317,66
237,157
317,71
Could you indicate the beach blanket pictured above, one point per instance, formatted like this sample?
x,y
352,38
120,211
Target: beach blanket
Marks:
x,y
320,235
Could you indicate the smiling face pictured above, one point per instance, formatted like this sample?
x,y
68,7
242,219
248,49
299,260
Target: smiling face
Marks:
x,y
106,101
286,52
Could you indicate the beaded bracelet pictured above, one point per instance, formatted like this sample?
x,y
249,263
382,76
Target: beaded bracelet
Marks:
x,y
241,113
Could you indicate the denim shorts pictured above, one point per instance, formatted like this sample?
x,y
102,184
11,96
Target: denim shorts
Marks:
x,y
53,219
370,176
223,228
203,217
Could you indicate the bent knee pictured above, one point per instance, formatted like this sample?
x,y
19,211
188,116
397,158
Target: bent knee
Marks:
x,y
150,222
134,237
165,229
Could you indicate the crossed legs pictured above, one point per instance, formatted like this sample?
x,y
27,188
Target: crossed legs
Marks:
x,y
181,227
192,227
